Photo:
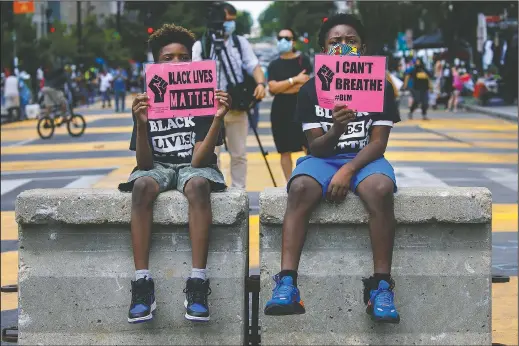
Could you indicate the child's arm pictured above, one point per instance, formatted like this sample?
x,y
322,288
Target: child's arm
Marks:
x,y
204,150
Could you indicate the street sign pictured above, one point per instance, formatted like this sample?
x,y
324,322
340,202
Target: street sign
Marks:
x,y
23,7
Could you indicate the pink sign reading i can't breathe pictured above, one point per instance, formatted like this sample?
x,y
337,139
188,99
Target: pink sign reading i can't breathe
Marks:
x,y
181,89
357,81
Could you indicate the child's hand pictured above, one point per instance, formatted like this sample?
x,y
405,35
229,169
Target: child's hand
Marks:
x,y
224,103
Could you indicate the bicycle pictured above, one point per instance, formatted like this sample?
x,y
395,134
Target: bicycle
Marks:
x,y
49,122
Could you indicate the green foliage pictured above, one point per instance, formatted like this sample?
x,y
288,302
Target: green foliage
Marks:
x,y
300,16
244,23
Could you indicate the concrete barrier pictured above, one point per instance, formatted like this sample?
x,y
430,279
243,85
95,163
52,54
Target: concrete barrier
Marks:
x,y
76,265
441,265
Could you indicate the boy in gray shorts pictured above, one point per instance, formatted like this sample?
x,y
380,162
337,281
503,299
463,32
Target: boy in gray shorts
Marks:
x,y
171,154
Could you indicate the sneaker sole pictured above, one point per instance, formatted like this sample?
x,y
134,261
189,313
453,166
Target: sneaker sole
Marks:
x,y
144,318
382,319
284,310
194,318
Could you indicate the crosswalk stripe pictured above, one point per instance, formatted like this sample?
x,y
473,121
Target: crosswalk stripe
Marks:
x,y
11,184
85,181
503,176
416,177
395,156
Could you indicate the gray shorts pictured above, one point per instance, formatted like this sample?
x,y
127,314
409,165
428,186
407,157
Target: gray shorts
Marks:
x,y
175,176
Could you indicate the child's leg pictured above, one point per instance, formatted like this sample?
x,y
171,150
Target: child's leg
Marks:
x,y
197,184
198,194
145,191
375,184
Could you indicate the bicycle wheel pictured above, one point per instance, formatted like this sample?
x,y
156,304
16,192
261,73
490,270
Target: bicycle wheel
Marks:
x,y
76,125
45,127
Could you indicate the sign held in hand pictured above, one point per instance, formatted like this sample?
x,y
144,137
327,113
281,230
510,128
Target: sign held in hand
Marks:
x,y
357,81
181,90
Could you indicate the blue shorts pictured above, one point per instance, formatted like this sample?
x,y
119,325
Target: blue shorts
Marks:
x,y
323,170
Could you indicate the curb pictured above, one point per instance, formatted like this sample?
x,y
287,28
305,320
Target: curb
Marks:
x,y
491,112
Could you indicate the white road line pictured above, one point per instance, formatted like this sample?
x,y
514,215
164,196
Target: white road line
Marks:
x,y
11,184
17,144
416,177
85,181
503,176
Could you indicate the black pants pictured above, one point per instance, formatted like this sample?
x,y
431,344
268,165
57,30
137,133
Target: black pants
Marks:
x,y
420,97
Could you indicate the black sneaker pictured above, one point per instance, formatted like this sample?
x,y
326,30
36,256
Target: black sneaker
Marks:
x,y
196,306
143,301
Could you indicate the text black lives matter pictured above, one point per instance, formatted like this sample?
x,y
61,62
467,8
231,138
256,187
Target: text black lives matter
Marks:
x,y
357,84
183,99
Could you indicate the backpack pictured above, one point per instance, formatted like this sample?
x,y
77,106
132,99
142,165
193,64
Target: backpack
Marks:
x,y
242,93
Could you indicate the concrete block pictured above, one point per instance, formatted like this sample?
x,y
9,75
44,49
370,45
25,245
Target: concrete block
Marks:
x,y
76,264
441,266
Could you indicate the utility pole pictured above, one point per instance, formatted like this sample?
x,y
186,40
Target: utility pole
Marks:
x,y
79,29
118,18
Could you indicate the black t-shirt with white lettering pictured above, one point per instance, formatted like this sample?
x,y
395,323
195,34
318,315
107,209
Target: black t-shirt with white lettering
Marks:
x,y
311,115
173,140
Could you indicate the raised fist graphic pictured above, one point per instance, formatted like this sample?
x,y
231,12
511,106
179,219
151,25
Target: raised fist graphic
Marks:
x,y
158,86
326,77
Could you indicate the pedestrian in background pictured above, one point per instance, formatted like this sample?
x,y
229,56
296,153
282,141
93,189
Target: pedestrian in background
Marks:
x,y
421,86
120,79
105,82
243,61
287,74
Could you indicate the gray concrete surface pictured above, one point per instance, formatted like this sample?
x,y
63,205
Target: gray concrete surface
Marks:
x,y
75,250
504,112
94,206
441,265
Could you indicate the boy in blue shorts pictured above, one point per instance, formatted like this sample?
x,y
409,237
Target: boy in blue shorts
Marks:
x,y
346,152
175,153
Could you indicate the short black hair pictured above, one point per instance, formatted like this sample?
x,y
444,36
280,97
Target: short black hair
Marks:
x,y
229,8
168,34
291,31
341,19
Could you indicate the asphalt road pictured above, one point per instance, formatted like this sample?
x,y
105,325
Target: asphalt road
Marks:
x,y
462,149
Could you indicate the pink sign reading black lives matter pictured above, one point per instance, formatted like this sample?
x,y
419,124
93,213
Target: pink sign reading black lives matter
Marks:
x,y
181,90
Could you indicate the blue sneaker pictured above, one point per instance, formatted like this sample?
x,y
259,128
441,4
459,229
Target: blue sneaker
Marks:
x,y
286,299
143,301
196,305
381,304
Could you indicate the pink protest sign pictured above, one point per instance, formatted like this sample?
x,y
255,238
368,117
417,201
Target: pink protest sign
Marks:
x,y
181,90
358,81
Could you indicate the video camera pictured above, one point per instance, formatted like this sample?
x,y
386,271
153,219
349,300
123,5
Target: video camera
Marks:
x,y
215,31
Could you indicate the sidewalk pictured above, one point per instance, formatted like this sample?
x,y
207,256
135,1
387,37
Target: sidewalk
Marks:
x,y
505,112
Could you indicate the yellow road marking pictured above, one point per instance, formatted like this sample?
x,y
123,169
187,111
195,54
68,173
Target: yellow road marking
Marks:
x,y
114,178
396,156
504,312
472,127
9,228
482,135
504,218
254,257
30,134
266,141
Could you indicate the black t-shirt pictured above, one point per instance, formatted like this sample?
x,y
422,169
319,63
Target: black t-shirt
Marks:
x,y
173,140
311,116
283,69
420,78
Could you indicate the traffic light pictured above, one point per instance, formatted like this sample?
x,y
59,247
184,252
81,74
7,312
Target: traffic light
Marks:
x,y
52,29
150,30
325,19
306,40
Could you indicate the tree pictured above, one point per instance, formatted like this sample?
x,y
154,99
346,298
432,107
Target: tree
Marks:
x,y
244,22
301,16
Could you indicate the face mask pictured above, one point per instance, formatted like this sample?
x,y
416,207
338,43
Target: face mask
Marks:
x,y
284,46
343,49
229,27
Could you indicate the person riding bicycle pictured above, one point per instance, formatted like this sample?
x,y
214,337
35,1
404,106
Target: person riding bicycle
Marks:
x,y
53,92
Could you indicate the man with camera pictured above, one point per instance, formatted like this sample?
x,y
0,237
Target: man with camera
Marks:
x,y
238,72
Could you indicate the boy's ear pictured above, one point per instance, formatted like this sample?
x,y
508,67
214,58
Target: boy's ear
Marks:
x,y
363,49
